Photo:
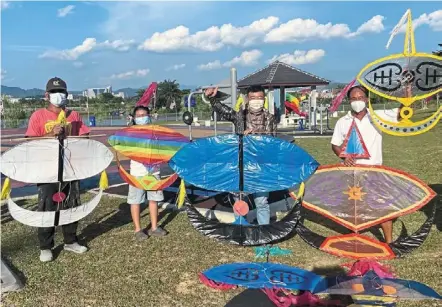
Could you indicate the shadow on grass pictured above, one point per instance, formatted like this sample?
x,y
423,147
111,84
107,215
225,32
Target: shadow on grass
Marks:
x,y
116,219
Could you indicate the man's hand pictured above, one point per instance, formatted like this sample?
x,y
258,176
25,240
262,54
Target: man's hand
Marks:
x,y
211,92
349,161
248,131
58,129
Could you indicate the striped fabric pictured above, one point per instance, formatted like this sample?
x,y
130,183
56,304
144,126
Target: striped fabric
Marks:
x,y
150,144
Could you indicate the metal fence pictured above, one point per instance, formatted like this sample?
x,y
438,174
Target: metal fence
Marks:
x,y
103,119
106,120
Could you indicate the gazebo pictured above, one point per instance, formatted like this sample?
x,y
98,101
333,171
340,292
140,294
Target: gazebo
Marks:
x,y
278,76
281,75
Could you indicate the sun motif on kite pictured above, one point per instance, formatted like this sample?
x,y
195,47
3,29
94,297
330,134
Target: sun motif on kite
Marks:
x,y
355,193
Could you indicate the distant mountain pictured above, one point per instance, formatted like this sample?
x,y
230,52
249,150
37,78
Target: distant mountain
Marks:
x,y
18,92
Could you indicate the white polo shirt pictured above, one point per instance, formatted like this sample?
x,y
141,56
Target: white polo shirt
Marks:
x,y
371,135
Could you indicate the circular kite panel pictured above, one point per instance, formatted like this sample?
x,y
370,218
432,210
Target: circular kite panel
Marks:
x,y
405,78
269,164
360,197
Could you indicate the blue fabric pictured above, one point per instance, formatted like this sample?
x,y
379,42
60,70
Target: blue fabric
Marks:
x,y
354,145
270,164
263,275
239,220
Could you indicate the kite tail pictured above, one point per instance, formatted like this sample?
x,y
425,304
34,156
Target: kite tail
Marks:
x,y
213,284
104,182
360,267
6,189
181,194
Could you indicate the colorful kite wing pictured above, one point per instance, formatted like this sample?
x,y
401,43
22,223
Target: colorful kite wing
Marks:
x,y
363,196
269,164
149,145
371,284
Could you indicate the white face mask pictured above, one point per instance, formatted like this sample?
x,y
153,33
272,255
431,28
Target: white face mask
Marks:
x,y
57,99
143,120
256,104
358,105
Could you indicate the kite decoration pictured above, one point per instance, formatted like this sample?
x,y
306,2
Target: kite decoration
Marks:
x,y
336,102
359,197
293,103
405,77
243,165
151,145
354,145
275,279
49,160
149,94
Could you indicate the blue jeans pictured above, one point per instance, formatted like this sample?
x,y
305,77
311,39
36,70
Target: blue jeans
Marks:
x,y
262,207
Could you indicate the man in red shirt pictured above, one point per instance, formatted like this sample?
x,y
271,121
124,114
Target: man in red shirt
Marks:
x,y
43,123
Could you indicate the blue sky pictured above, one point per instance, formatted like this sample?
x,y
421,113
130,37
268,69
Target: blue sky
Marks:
x,y
92,44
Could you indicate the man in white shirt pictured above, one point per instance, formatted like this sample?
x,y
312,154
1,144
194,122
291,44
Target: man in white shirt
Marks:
x,y
371,136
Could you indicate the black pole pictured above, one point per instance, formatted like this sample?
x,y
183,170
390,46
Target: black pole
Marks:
x,y
241,163
60,170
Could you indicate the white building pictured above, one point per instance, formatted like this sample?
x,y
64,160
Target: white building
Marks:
x,y
95,92
119,94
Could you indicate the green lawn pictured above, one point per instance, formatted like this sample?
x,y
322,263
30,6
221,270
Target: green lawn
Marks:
x,y
118,271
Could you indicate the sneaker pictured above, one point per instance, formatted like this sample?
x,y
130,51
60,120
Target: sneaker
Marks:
x,y
159,232
76,248
46,255
140,235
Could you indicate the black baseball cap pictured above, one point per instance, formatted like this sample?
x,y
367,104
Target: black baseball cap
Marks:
x,y
56,84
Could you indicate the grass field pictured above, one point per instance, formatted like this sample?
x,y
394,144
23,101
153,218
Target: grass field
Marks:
x,y
119,271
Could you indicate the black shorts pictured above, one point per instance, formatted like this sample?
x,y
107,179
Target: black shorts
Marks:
x,y
47,190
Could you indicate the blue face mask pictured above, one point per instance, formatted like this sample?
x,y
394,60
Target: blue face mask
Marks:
x,y
145,120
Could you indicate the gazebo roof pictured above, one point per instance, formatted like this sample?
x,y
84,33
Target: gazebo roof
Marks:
x,y
279,74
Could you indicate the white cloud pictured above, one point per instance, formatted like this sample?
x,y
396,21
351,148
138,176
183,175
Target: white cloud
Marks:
x,y
433,20
247,58
176,67
3,74
63,12
299,57
211,39
78,64
4,5
374,25
210,66
120,45
299,30
131,74
87,46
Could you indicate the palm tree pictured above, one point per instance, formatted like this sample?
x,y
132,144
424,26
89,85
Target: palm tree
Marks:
x,y
168,92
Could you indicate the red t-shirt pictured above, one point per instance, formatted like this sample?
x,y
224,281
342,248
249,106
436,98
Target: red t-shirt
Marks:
x,y
43,120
